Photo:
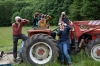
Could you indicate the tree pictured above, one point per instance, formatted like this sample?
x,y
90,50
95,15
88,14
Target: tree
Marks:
x,y
90,10
26,8
26,12
13,16
74,10
6,12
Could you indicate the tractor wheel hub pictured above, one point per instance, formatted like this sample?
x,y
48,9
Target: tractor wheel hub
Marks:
x,y
41,52
98,52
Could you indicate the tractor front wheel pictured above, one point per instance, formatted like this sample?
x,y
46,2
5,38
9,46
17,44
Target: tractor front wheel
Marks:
x,y
93,49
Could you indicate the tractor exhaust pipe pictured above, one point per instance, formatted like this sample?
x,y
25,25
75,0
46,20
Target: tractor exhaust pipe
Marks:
x,y
81,42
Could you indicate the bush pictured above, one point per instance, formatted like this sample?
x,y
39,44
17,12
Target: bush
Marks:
x,y
6,12
26,13
13,16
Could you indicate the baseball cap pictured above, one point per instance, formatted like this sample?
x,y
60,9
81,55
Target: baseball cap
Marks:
x,y
63,13
17,17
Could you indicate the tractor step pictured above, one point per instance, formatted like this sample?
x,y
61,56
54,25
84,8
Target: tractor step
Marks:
x,y
7,60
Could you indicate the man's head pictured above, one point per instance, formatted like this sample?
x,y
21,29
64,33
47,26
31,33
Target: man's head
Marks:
x,y
42,17
17,18
63,14
36,14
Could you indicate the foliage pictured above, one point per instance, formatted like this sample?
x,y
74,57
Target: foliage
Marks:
x,y
27,8
13,16
75,9
90,9
26,13
6,13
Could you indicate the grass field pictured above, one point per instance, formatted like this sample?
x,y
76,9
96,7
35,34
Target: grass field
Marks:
x,y
6,45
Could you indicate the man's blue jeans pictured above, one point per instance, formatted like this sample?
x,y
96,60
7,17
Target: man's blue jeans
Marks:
x,y
64,47
21,49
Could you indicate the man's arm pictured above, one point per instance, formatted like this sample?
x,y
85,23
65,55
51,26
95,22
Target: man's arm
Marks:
x,y
34,20
59,32
70,22
24,21
48,18
69,27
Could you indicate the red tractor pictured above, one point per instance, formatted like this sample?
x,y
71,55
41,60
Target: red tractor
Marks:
x,y
41,48
86,34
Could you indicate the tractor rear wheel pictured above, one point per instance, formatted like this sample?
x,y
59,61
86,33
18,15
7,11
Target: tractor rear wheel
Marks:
x,y
93,49
40,49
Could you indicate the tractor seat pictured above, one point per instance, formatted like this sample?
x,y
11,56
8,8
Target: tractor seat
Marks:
x,y
42,28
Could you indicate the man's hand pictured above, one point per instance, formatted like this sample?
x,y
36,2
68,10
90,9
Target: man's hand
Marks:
x,y
61,27
71,23
23,19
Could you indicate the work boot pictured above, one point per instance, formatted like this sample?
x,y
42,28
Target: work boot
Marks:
x,y
15,60
69,64
62,63
20,60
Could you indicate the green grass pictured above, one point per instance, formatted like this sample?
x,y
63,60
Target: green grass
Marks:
x,y
6,45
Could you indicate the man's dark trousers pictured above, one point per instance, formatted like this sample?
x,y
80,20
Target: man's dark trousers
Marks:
x,y
15,42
